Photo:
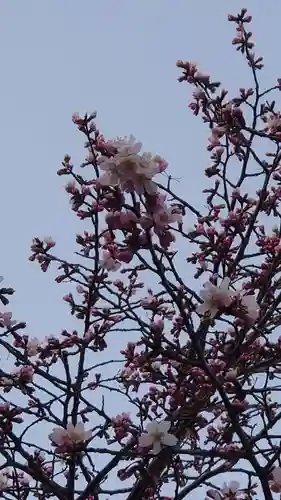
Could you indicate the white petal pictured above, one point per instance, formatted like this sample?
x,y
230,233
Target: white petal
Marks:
x,y
152,427
145,440
169,440
209,286
79,428
202,308
276,473
205,294
225,284
164,426
156,448
213,311
87,435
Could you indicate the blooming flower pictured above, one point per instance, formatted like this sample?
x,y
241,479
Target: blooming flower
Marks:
x,y
273,121
157,436
215,297
24,374
252,309
69,437
231,374
6,382
275,484
128,168
230,490
162,217
32,346
3,481
108,262
6,320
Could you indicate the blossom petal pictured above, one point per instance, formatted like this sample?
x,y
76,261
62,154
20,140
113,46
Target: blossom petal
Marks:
x,y
276,474
209,286
145,440
156,447
224,286
152,427
87,435
169,440
202,308
205,294
213,311
164,426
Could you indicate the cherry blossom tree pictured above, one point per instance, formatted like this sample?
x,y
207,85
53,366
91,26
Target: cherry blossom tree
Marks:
x,y
189,404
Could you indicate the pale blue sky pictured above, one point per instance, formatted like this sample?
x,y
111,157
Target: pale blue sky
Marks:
x,y
116,56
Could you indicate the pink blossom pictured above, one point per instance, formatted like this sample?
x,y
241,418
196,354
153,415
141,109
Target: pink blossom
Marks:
x,y
215,297
231,374
229,490
6,320
213,494
3,481
273,121
25,374
128,168
32,346
6,382
156,436
166,216
108,262
275,484
252,309
69,437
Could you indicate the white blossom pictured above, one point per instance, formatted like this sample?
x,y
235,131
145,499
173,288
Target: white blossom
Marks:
x,y
157,436
108,262
128,168
230,490
275,484
3,481
32,346
215,297
70,436
250,304
273,121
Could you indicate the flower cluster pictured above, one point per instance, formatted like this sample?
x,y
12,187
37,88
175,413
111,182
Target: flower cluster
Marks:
x,y
69,438
124,166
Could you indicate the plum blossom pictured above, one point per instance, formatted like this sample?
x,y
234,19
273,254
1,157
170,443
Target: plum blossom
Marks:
x,y
215,297
231,374
156,436
6,320
273,121
252,309
24,374
69,437
166,216
32,346
230,490
160,214
275,483
128,168
3,481
108,262
6,383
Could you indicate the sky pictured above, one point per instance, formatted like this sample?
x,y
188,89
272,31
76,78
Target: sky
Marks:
x,y
119,58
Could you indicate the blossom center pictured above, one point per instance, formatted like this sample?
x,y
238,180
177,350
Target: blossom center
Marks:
x,y
157,436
